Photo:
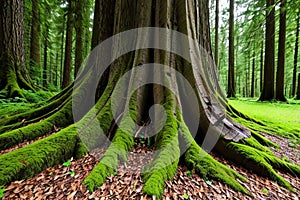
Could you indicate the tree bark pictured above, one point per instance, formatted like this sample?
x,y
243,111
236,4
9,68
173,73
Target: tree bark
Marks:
x,y
253,75
217,34
298,88
261,67
268,86
68,48
296,55
13,72
281,54
35,55
79,35
231,81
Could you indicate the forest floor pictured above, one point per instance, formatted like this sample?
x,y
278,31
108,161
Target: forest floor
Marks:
x,y
65,181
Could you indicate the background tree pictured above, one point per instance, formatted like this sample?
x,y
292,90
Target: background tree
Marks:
x,y
268,86
281,54
35,35
231,81
79,12
67,69
217,33
296,54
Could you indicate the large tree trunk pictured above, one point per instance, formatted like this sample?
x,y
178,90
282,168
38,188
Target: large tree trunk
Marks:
x,y
183,82
13,73
281,54
268,86
231,82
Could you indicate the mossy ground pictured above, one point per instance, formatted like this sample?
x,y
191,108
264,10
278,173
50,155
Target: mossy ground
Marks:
x,y
277,118
252,152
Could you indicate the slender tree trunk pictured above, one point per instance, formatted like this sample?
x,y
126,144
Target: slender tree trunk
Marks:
x,y
296,54
281,54
13,72
62,51
261,81
79,35
45,70
231,82
253,75
298,88
217,34
268,85
35,55
68,49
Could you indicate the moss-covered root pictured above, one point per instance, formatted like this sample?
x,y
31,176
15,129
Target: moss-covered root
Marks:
x,y
122,143
27,161
205,165
165,164
61,118
261,162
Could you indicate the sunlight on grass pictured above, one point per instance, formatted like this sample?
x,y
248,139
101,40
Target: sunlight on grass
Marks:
x,y
280,118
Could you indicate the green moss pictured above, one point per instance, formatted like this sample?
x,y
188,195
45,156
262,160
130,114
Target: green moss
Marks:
x,y
165,163
261,162
122,143
60,119
205,165
29,160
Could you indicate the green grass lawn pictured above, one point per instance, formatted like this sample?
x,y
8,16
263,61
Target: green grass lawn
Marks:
x,y
279,118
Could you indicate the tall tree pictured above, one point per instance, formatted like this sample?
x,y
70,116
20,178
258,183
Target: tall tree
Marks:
x,y
217,33
79,11
231,82
281,54
261,67
188,18
268,84
35,43
67,69
13,72
252,93
296,54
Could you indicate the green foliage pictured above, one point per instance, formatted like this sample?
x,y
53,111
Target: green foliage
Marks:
x,y
2,190
67,164
265,191
185,196
38,96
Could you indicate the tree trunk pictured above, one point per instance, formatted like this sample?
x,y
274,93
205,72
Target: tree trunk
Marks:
x,y
268,86
231,82
45,70
68,48
261,67
217,34
253,75
183,82
13,73
298,88
35,55
79,35
281,54
296,55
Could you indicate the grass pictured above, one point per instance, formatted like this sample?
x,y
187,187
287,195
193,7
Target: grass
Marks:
x,y
279,118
